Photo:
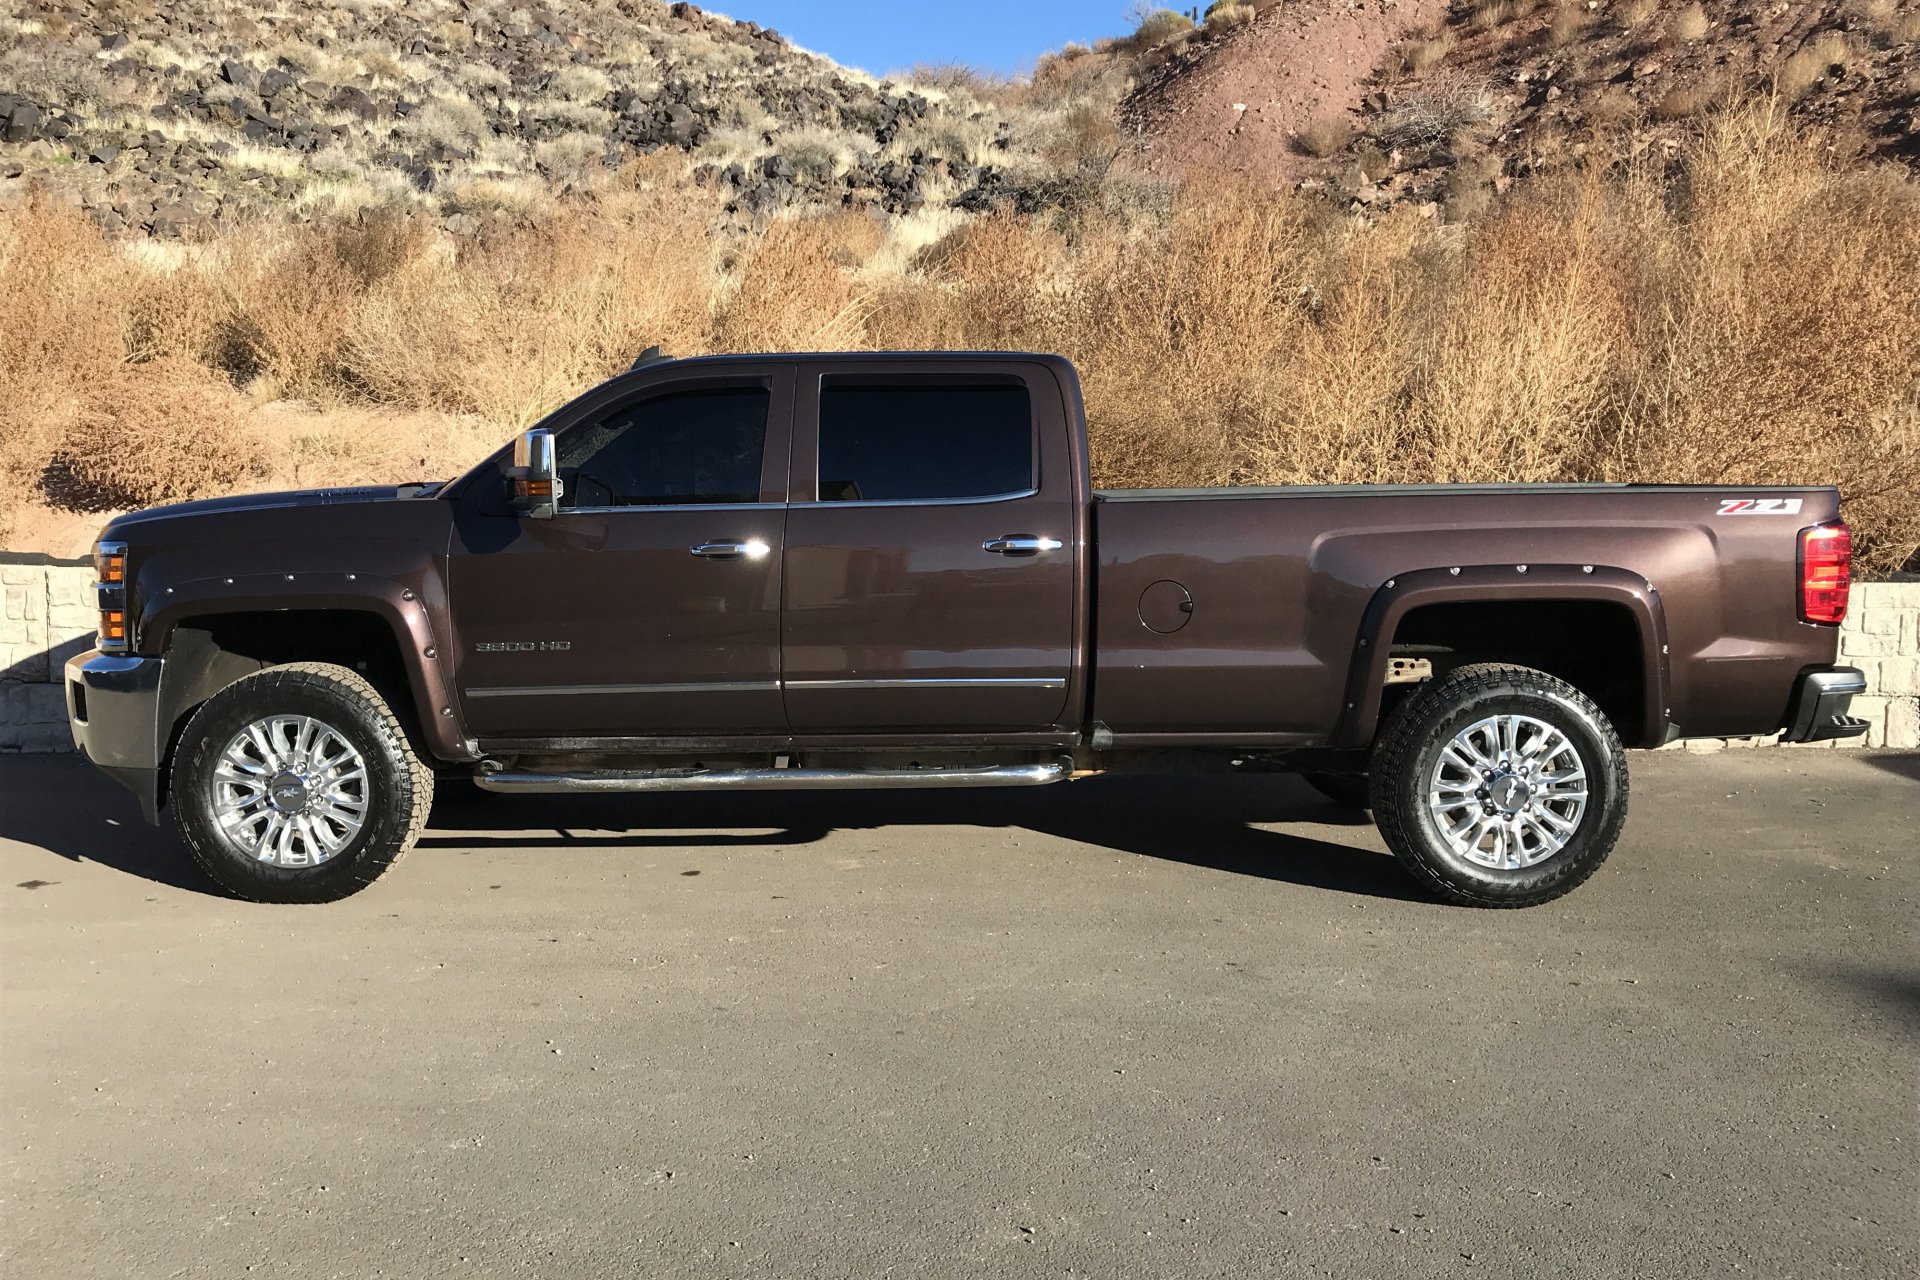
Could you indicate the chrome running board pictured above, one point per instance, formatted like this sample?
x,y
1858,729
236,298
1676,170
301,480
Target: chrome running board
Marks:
x,y
1015,775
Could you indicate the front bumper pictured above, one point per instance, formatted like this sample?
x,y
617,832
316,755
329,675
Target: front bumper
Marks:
x,y
1820,706
113,708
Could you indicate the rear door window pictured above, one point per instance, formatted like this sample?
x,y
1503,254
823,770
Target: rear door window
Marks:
x,y
903,443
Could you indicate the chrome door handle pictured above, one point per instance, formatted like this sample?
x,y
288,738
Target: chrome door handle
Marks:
x,y
725,549
1020,544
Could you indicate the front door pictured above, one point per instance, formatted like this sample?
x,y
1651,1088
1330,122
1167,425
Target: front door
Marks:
x,y
930,552
649,606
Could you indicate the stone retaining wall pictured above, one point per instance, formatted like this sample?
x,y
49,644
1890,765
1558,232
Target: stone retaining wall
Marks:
x,y
47,617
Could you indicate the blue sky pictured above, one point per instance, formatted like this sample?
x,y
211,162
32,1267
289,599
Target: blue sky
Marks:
x,y
881,36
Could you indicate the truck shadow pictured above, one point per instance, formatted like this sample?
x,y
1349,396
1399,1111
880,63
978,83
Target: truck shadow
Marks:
x,y
1209,821
61,805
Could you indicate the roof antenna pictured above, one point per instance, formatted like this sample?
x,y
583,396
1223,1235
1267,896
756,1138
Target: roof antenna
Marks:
x,y
651,356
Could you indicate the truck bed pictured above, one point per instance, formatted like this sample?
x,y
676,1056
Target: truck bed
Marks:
x,y
1280,586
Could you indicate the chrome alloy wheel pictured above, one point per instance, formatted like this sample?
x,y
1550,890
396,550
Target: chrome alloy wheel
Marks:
x,y
1508,791
290,791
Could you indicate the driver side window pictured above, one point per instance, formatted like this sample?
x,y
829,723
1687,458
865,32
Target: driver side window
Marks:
x,y
676,449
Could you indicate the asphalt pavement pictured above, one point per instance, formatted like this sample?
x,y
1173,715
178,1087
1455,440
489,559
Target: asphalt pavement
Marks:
x,y
1131,1027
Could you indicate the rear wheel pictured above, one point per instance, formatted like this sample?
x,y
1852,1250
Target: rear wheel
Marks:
x,y
1499,786
298,784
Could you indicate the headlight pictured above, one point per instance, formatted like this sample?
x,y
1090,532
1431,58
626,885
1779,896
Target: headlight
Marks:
x,y
110,568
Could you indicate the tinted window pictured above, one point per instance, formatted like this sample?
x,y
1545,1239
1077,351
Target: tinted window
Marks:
x,y
689,446
881,443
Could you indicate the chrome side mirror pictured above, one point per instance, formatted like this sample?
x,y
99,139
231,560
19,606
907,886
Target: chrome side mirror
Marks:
x,y
534,479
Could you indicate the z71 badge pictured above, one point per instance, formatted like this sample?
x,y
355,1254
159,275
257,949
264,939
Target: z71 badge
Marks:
x,y
1759,507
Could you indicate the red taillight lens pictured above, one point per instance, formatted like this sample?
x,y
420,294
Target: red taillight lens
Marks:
x,y
1826,572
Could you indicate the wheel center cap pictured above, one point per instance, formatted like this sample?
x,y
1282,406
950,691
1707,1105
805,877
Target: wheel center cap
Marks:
x,y
288,792
1510,793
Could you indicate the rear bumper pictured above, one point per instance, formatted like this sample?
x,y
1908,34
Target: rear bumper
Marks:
x,y
1820,706
113,709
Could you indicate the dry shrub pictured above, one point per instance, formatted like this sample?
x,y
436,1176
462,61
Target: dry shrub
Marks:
x,y
60,285
1753,318
1812,62
1224,15
794,290
1786,345
1568,21
292,300
1690,23
377,243
176,310
1325,136
1489,14
1741,313
1611,107
510,327
1158,27
986,285
1682,101
1444,107
1417,56
1633,14
157,432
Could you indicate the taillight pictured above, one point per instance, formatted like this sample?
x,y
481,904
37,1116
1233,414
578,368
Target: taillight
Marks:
x,y
1826,572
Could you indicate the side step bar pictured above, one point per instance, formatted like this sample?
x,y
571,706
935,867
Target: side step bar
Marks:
x,y
1015,775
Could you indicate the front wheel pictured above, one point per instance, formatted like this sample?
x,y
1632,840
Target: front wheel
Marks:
x,y
298,784
1499,786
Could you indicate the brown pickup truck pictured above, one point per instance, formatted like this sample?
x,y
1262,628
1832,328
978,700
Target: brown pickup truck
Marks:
x,y
814,571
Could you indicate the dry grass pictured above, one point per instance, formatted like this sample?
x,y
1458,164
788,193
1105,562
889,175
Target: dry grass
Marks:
x,y
1690,23
1742,314
1325,136
1157,26
1813,61
1224,15
1417,56
1633,14
1567,24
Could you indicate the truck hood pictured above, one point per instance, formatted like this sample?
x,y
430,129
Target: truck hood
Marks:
x,y
358,494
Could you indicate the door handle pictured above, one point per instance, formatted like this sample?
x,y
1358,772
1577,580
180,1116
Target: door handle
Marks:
x,y
728,549
1020,544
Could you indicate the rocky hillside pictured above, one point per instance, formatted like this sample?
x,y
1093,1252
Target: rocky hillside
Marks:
x,y
1388,101
173,116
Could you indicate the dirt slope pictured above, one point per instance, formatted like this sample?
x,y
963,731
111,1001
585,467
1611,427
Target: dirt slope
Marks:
x,y
1449,102
1238,101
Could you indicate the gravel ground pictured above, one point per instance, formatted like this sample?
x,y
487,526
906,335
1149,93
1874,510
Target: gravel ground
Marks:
x,y
1131,1027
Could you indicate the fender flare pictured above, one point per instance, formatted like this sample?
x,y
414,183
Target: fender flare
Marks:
x,y
206,668
1466,584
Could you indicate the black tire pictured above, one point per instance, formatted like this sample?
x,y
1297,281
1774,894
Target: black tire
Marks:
x,y
1409,750
1348,790
398,785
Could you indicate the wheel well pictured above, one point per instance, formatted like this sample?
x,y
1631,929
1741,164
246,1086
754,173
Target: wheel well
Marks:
x,y
206,654
359,641
1592,645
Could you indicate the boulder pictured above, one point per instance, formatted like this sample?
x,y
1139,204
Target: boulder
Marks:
x,y
21,123
356,102
239,75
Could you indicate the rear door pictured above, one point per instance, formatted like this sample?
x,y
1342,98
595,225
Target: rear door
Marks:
x,y
650,604
931,551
